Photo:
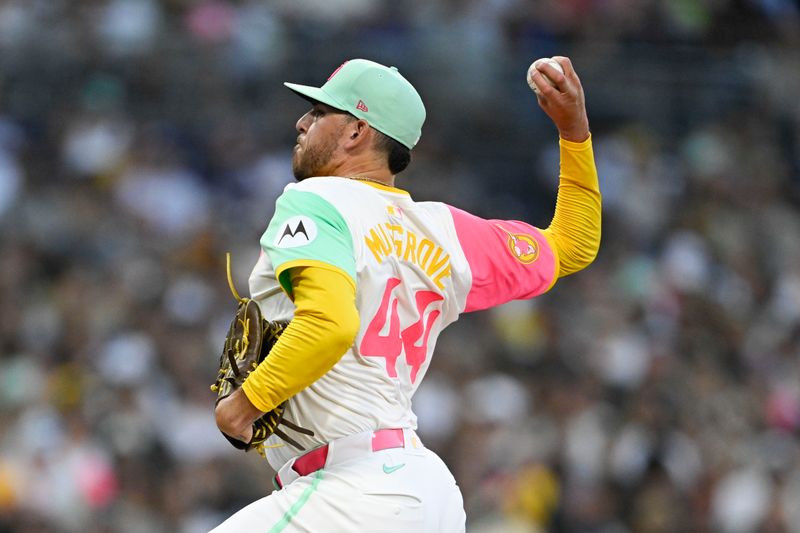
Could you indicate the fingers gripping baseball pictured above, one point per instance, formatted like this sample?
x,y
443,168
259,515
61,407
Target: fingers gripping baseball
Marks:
x,y
560,95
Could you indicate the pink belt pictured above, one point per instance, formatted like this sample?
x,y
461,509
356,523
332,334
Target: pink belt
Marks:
x,y
318,458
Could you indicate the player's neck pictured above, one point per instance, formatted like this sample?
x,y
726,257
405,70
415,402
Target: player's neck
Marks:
x,y
367,170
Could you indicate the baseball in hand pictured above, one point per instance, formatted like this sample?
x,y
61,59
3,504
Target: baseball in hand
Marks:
x,y
533,66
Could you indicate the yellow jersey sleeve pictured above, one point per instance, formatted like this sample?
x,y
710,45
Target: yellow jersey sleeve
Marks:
x,y
324,327
574,232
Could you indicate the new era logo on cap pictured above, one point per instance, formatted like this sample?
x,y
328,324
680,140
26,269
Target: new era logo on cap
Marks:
x,y
361,106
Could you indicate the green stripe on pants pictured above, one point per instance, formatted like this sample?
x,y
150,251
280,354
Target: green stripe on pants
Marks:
x,y
294,509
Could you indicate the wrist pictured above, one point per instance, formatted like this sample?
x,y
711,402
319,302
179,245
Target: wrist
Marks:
x,y
575,146
235,414
247,411
576,130
575,136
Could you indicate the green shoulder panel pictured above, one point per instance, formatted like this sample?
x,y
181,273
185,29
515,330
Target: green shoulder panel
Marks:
x,y
307,229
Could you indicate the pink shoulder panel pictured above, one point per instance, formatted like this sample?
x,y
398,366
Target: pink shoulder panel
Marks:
x,y
509,260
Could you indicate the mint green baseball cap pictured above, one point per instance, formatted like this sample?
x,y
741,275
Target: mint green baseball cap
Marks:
x,y
375,93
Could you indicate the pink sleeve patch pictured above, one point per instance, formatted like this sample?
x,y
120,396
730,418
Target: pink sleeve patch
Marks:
x,y
509,260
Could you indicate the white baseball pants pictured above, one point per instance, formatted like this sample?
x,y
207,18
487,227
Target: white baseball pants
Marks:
x,y
401,490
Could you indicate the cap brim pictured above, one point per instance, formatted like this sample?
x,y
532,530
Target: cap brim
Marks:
x,y
315,94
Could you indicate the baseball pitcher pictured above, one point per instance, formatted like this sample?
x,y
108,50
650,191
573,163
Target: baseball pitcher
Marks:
x,y
367,279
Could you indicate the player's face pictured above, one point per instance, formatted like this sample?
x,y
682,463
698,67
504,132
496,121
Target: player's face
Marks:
x,y
316,150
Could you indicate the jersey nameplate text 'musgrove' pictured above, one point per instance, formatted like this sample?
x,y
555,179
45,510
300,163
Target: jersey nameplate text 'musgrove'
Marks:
x,y
388,239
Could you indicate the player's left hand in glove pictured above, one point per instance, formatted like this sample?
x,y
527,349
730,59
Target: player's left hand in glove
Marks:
x,y
248,342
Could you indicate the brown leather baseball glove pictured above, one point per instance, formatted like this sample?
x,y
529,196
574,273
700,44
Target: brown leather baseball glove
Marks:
x,y
248,342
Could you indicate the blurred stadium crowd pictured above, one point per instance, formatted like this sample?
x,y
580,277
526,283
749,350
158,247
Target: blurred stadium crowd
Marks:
x,y
657,391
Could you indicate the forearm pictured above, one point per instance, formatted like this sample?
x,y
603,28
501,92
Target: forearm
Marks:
x,y
574,231
322,330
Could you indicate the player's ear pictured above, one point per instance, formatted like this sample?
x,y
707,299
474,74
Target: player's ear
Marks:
x,y
357,132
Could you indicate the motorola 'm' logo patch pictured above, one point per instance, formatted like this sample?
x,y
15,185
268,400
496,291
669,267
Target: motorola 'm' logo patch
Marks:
x,y
296,231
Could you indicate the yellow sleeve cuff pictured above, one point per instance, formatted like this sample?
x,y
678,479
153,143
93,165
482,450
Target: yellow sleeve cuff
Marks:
x,y
577,164
572,145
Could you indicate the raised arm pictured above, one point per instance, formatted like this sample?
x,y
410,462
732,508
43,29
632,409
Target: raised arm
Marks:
x,y
512,260
574,232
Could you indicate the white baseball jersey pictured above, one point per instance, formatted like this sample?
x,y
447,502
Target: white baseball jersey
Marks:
x,y
415,265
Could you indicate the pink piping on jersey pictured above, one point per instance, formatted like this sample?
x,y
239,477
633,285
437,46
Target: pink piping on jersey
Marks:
x,y
498,276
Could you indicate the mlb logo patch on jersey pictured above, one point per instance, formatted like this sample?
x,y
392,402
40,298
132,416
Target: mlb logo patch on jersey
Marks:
x,y
393,210
297,231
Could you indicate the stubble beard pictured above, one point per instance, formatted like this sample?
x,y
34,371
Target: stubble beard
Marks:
x,y
311,161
